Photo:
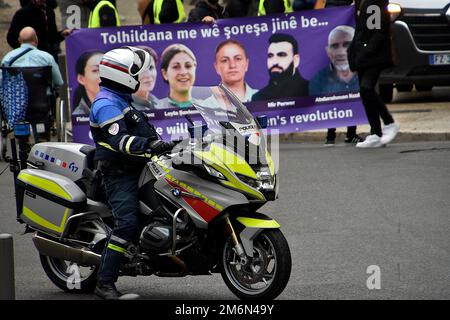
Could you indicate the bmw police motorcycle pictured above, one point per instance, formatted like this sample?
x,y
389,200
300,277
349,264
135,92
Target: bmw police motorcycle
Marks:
x,y
198,207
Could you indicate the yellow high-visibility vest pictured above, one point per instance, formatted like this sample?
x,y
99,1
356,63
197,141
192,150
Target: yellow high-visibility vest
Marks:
x,y
157,6
262,10
94,17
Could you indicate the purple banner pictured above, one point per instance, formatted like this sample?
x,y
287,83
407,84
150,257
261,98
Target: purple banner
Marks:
x,y
292,68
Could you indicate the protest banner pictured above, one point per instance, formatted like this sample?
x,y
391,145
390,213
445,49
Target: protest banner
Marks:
x,y
297,95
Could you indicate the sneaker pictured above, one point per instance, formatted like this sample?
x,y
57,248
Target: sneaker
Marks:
x,y
372,141
329,143
108,291
354,140
389,132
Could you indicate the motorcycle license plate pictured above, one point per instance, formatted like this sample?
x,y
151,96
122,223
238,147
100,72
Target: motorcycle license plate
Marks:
x,y
156,170
440,59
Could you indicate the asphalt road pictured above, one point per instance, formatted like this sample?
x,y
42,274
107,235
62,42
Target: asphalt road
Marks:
x,y
341,209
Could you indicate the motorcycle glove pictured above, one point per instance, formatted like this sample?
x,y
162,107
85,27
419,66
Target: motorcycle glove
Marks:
x,y
159,146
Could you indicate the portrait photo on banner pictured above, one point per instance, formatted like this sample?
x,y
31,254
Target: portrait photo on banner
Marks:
x,y
291,67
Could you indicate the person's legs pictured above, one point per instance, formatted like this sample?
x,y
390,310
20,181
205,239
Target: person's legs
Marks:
x,y
331,134
351,132
122,192
371,101
384,112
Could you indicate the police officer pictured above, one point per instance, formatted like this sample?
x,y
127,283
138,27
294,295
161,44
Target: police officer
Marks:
x,y
123,137
103,14
274,6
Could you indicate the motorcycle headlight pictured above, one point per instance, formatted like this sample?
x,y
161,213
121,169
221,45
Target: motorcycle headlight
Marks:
x,y
213,172
247,180
264,174
264,180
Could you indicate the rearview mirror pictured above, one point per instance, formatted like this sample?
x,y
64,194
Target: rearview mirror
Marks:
x,y
197,130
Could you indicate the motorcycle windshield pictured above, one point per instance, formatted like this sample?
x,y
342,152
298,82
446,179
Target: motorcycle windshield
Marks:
x,y
223,111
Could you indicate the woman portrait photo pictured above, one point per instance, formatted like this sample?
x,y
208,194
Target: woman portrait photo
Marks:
x,y
143,99
88,78
178,68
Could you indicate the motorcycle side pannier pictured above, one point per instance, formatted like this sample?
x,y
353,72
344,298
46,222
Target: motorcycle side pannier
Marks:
x,y
47,200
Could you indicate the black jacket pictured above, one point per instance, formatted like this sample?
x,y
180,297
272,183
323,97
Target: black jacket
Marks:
x,y
169,12
274,6
32,16
294,86
238,8
337,3
203,9
106,13
371,47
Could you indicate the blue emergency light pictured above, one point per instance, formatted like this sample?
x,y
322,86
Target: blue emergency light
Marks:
x,y
22,129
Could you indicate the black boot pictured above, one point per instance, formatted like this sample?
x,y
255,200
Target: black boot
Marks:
x,y
108,291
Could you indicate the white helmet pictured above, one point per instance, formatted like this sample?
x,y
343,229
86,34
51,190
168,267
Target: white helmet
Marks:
x,y
120,68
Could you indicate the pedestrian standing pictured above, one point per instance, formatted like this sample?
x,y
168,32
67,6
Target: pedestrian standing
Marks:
x,y
41,17
369,54
207,11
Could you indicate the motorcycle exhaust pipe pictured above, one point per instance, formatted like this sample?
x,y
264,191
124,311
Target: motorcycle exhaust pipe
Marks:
x,y
58,250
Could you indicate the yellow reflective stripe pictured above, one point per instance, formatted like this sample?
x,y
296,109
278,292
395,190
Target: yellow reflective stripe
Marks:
x,y
181,13
116,248
107,146
262,10
128,145
237,184
258,223
45,185
234,162
44,223
270,163
157,6
211,159
94,17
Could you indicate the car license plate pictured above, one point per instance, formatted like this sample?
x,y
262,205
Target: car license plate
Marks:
x,y
440,59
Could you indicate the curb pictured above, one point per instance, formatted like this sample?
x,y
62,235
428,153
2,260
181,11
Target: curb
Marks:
x,y
401,136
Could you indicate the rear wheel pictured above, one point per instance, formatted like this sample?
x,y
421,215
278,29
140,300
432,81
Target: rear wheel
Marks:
x,y
266,274
69,276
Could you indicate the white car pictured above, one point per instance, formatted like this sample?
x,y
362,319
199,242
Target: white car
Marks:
x,y
421,42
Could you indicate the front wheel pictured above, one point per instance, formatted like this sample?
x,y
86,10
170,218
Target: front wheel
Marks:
x,y
265,275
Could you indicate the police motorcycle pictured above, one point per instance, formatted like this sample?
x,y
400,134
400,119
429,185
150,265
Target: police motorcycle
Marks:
x,y
198,207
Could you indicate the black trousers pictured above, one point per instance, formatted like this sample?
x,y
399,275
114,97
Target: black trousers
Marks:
x,y
122,190
373,104
351,133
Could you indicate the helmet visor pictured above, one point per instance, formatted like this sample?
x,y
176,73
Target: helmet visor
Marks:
x,y
141,61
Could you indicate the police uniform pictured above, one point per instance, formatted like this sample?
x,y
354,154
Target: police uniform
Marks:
x,y
122,136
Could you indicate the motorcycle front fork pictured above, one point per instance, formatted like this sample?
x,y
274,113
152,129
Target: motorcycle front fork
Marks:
x,y
236,244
